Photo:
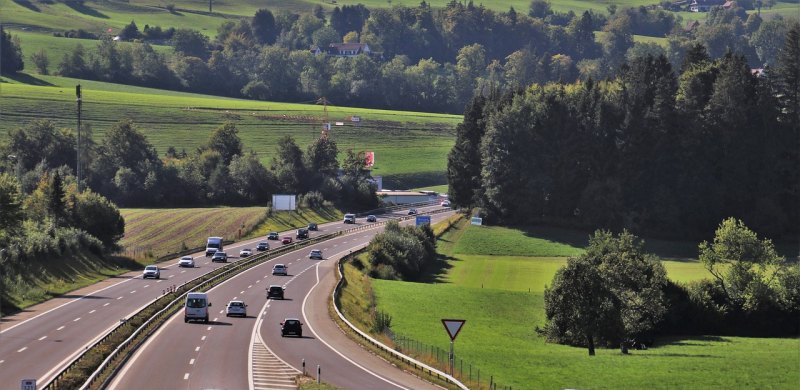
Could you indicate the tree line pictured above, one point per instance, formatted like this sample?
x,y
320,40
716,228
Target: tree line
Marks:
x,y
429,59
124,167
656,152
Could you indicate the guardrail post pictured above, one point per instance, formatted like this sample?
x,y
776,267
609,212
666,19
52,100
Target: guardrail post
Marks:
x,y
319,374
304,366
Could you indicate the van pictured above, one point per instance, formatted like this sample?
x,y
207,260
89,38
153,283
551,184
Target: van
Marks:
x,y
349,218
196,307
213,245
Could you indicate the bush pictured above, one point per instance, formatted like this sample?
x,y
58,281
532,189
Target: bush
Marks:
x,y
312,200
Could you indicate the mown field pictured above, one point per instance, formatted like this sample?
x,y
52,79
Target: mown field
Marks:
x,y
501,297
156,232
410,148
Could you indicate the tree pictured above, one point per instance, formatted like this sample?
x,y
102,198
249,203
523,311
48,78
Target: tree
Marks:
x,y
11,213
539,9
130,32
11,60
351,37
788,73
252,181
464,159
190,43
579,303
99,217
264,28
225,140
74,64
288,166
744,266
612,293
325,36
321,158
41,62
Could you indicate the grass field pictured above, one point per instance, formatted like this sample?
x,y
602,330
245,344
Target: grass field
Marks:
x,y
156,232
410,147
501,298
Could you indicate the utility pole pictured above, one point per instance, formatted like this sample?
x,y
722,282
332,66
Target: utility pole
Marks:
x,y
79,100
326,126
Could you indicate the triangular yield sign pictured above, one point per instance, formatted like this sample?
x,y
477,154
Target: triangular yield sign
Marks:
x,y
453,327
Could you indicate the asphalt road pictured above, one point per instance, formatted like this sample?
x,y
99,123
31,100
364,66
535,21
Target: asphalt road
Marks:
x,y
242,353
43,344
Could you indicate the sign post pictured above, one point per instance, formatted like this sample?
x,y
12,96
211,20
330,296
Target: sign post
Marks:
x,y
28,384
422,220
452,327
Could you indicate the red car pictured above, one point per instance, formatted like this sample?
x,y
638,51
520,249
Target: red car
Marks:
x,y
286,240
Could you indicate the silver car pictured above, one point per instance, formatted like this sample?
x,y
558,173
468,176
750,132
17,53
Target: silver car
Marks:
x,y
151,271
186,261
236,308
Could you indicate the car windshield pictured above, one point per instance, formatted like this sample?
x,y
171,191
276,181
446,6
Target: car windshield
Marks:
x,y
196,303
292,322
235,304
151,268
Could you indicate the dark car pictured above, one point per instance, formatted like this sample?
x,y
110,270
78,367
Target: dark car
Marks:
x,y
302,233
291,326
219,256
272,236
312,226
275,291
262,246
412,211
286,240
372,218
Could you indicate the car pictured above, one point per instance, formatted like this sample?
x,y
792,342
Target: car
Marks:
x,y
372,218
245,252
219,256
280,269
315,254
349,218
286,240
151,271
313,227
302,233
186,261
412,211
445,203
274,291
291,326
262,246
272,236
236,308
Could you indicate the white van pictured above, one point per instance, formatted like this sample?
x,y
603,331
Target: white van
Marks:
x,y
196,307
349,218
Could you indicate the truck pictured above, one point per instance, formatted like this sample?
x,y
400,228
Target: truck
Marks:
x,y
213,245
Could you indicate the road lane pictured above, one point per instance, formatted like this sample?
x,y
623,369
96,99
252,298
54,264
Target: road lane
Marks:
x,y
222,362
41,345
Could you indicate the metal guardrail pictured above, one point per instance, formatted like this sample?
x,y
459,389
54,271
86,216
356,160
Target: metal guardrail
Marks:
x,y
407,359
216,276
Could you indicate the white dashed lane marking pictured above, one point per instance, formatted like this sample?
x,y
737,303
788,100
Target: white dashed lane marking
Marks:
x,y
133,292
77,319
62,327
186,376
42,338
119,298
22,349
197,349
203,338
106,304
92,311
146,286
191,362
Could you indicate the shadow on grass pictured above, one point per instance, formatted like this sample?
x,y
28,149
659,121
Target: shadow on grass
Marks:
x,y
436,272
414,180
25,78
692,341
27,4
82,8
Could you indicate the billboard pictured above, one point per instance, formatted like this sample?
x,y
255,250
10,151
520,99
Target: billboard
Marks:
x,y
369,159
284,202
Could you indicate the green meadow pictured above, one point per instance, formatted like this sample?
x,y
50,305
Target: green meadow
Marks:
x,y
495,279
410,147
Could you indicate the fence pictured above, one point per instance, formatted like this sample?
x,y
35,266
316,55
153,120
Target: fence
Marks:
x,y
438,357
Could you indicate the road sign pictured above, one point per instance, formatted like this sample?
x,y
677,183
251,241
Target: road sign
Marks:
x,y
423,219
476,221
453,327
29,384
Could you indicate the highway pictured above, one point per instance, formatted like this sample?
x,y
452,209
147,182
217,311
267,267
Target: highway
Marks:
x,y
241,353
50,335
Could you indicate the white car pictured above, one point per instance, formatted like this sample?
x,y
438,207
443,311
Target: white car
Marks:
x,y
446,203
151,271
315,254
236,308
186,261
280,269
245,252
